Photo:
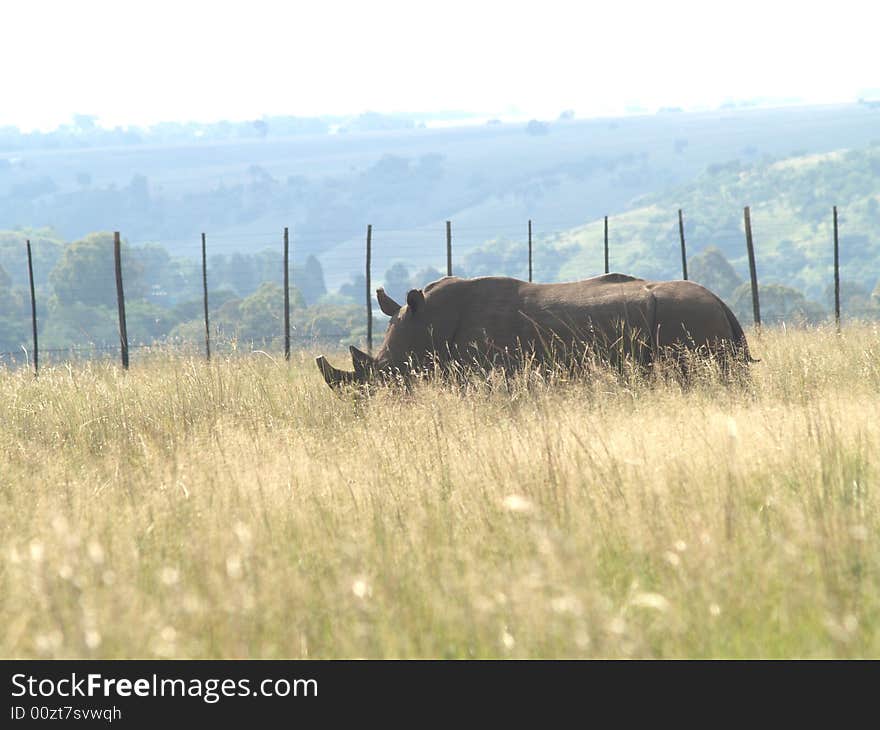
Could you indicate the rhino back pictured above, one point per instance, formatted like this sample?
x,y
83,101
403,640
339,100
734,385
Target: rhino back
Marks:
x,y
507,312
691,314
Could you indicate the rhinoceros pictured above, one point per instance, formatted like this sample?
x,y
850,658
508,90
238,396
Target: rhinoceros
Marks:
x,y
455,321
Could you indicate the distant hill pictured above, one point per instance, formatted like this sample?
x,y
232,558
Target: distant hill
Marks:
x,y
791,204
791,200
242,185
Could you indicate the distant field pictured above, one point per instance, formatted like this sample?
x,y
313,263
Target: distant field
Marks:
x,y
241,509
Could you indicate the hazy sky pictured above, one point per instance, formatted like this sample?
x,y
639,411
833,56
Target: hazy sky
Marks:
x,y
143,62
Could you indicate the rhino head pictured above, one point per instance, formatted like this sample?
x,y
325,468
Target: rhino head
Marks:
x,y
408,341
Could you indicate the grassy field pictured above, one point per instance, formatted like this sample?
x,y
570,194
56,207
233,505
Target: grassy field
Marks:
x,y
242,509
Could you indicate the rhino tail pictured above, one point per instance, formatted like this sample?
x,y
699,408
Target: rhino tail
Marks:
x,y
740,343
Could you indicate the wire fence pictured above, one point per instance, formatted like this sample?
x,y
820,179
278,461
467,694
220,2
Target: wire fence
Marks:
x,y
250,276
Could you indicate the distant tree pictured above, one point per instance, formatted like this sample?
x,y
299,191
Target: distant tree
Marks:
x,y
85,272
241,274
311,280
14,332
147,322
537,128
261,315
855,248
217,269
397,282
139,193
337,323
499,258
430,167
268,266
259,175
85,122
189,309
182,279
153,260
719,168
389,168
791,256
78,324
711,269
425,276
12,316
779,303
567,115
33,188
46,249
855,300
355,290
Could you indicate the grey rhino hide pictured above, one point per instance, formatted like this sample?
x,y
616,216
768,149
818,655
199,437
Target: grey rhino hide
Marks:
x,y
493,318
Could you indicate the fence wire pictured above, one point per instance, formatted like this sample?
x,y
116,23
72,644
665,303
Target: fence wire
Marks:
x,y
77,303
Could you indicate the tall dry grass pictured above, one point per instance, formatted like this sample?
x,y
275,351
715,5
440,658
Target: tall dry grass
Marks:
x,y
241,509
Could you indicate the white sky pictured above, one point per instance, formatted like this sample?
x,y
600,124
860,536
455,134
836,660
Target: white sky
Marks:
x,y
148,61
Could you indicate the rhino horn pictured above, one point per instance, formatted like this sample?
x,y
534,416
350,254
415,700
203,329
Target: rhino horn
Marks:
x,y
364,365
332,375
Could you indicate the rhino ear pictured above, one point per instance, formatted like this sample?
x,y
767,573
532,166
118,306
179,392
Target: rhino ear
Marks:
x,y
415,299
386,303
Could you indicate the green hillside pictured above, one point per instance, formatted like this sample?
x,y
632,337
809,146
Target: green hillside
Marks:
x,y
791,204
